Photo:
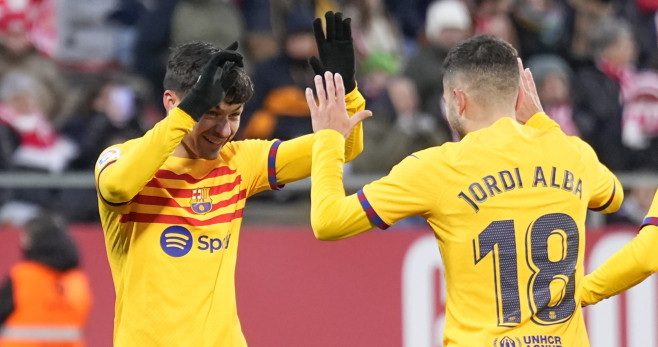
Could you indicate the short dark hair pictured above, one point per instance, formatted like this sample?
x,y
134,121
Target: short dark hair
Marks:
x,y
488,64
185,65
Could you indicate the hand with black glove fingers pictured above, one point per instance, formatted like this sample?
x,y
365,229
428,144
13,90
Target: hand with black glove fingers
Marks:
x,y
217,77
336,50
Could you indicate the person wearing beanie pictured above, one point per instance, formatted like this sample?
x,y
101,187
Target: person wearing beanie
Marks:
x,y
447,22
45,300
554,78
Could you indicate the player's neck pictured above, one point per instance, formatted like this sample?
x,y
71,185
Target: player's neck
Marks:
x,y
181,151
483,118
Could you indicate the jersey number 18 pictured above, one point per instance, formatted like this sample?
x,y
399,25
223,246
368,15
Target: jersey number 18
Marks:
x,y
548,271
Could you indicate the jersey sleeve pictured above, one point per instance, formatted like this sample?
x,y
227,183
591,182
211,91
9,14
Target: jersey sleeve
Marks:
x,y
400,194
333,215
607,192
354,144
122,171
380,203
256,160
627,267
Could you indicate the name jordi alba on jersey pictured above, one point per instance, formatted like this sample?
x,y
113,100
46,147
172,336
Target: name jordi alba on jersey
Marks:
x,y
503,181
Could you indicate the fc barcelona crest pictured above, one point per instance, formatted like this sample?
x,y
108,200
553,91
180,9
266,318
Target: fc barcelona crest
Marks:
x,y
200,201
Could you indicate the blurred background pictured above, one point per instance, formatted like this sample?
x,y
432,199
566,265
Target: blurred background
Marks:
x,y
78,76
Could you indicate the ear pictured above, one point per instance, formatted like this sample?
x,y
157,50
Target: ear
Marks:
x,y
170,100
461,100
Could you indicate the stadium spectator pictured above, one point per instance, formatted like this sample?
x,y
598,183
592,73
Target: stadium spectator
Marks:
x,y
169,23
45,300
110,113
89,40
587,13
598,112
374,30
278,109
495,200
410,16
24,49
494,17
186,177
40,146
554,77
542,27
261,34
399,128
448,22
640,120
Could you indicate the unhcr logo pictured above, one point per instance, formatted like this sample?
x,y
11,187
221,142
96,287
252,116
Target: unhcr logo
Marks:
x,y
507,341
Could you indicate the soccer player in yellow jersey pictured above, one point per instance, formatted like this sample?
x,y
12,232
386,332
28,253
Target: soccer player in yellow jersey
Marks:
x,y
629,266
507,203
171,202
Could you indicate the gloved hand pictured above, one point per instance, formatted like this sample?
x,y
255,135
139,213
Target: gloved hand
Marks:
x,y
217,76
336,50
230,54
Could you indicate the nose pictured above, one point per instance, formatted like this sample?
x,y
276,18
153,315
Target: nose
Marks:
x,y
223,128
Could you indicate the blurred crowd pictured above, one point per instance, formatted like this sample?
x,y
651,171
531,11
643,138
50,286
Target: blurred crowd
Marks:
x,y
78,76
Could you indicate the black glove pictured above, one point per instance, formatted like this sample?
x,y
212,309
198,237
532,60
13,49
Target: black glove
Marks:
x,y
336,50
230,54
217,76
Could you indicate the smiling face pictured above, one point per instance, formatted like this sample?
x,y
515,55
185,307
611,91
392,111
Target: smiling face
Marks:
x,y
219,124
216,127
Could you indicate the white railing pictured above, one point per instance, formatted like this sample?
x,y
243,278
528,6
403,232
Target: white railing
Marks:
x,y
82,179
352,183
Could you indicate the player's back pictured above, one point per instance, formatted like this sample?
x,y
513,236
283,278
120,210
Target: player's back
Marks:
x,y
509,217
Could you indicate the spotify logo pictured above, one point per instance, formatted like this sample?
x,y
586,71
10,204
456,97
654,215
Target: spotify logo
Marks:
x,y
176,241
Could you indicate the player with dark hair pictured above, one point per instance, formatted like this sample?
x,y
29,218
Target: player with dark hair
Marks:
x,y
171,202
507,203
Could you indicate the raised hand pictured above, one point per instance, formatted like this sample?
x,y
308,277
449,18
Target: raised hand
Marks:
x,y
218,75
336,49
330,111
528,103
230,54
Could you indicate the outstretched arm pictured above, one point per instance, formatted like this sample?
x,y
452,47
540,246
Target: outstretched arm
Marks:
x,y
333,215
336,50
336,55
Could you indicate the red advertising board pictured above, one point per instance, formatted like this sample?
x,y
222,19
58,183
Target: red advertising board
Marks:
x,y
382,288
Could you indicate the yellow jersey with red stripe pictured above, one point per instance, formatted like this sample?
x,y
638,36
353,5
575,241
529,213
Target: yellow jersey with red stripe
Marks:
x,y
172,227
507,205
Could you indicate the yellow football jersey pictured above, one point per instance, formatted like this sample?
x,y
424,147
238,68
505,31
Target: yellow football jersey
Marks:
x,y
172,227
507,205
